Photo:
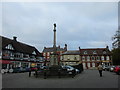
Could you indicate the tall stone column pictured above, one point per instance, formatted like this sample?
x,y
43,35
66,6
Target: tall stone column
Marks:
x,y
54,42
54,56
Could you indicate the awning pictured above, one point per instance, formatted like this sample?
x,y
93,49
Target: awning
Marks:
x,y
5,62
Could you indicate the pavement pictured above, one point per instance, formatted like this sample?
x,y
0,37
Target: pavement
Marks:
x,y
87,79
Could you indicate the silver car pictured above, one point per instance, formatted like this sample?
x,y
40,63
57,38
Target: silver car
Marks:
x,y
111,69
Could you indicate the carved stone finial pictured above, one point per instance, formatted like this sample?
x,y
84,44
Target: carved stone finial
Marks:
x,y
54,24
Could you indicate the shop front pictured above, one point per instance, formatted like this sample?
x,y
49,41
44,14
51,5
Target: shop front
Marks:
x,y
5,65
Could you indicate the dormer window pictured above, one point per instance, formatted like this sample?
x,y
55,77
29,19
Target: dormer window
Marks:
x,y
85,52
94,52
34,53
104,52
9,46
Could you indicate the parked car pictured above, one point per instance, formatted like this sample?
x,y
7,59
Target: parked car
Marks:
x,y
27,69
117,69
70,69
111,69
105,67
44,67
18,69
77,71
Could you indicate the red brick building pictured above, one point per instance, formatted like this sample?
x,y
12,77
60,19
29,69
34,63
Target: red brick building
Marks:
x,y
92,56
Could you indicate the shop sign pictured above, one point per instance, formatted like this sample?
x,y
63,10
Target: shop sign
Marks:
x,y
33,64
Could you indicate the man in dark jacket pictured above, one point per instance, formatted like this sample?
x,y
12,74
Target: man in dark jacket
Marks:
x,y
30,72
100,69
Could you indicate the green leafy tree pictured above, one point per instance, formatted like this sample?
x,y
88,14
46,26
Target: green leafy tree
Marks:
x,y
116,56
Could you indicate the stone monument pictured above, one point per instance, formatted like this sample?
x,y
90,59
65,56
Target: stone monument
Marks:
x,y
54,55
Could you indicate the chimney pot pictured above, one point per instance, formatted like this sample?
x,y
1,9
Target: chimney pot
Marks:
x,y
107,47
14,38
65,47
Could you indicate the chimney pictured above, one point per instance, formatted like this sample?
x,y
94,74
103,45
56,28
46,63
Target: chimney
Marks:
x,y
107,47
65,47
79,48
44,47
14,38
59,46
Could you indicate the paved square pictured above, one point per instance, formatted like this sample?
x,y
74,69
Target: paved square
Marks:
x,y
87,79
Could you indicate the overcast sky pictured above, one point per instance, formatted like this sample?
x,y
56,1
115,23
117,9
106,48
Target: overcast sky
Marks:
x,y
84,24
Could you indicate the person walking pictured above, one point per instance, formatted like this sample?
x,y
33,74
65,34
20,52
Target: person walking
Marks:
x,y
36,73
59,73
73,73
100,69
30,72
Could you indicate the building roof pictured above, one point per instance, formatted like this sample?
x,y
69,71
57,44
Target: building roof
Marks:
x,y
72,52
51,49
88,51
18,46
97,51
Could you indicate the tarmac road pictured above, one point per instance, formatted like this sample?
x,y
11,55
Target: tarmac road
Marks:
x,y
87,79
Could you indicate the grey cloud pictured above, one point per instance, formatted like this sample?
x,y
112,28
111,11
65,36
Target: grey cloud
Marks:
x,y
78,24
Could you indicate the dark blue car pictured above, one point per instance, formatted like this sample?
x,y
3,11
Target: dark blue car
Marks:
x,y
20,69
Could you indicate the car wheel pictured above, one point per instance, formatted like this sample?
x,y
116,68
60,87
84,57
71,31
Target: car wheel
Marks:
x,y
3,71
6,70
11,70
117,73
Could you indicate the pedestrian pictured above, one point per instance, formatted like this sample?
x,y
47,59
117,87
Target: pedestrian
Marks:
x,y
73,73
36,73
59,73
100,69
29,72
45,73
